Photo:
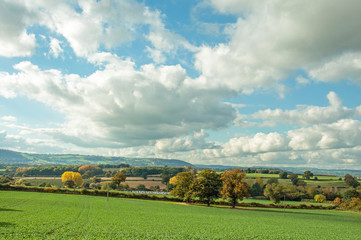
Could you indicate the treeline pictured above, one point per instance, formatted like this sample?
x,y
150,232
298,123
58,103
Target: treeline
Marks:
x,y
57,171
44,171
146,171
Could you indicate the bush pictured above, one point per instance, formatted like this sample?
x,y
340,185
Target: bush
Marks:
x,y
320,198
48,189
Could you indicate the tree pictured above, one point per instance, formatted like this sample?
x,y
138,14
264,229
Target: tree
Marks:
x,y
260,182
307,175
256,190
294,179
272,180
206,186
233,187
182,182
71,179
283,175
274,191
118,178
351,181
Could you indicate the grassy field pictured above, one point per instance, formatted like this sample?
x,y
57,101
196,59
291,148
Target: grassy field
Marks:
x,y
55,216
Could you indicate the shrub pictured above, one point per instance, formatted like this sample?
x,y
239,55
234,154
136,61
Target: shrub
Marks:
x,y
48,189
320,198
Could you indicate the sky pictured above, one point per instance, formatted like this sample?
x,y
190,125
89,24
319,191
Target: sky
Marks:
x,y
231,82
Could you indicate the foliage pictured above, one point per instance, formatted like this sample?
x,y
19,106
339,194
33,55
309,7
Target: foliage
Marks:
x,y
283,175
206,186
182,182
260,182
320,198
272,180
90,171
351,181
294,178
233,187
45,171
6,179
71,179
256,190
274,192
337,201
307,174
118,178
350,193
142,171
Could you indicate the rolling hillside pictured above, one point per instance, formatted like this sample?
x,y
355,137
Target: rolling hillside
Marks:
x,y
12,157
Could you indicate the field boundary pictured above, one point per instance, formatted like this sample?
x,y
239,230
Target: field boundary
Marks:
x,y
167,198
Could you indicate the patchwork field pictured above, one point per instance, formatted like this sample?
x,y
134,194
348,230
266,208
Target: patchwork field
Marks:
x,y
54,216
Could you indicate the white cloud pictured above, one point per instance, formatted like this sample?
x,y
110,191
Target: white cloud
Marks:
x,y
55,47
345,133
9,118
275,38
86,25
307,115
15,41
341,134
120,106
184,144
344,67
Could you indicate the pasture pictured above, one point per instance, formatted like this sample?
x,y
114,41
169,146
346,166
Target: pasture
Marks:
x,y
27,215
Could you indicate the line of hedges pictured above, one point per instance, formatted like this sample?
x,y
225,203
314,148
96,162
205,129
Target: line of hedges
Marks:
x,y
8,187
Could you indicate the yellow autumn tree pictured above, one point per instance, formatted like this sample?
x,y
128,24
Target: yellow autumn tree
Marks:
x,y
233,188
182,182
77,179
71,179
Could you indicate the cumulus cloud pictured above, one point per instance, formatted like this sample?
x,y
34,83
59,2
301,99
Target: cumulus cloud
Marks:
x,y
307,115
184,144
273,39
344,67
15,41
120,106
86,25
345,133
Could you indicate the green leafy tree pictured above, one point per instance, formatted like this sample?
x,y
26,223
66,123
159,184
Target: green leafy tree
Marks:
x,y
206,186
233,187
307,175
351,181
274,192
182,182
256,190
272,180
294,178
283,175
118,178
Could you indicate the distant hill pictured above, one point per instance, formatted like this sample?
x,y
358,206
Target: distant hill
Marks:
x,y
12,157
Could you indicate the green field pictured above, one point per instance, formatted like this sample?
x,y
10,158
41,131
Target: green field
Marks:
x,y
58,216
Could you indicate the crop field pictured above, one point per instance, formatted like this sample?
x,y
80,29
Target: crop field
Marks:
x,y
58,216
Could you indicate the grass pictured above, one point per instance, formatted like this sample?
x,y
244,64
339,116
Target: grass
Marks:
x,y
56,216
261,175
36,182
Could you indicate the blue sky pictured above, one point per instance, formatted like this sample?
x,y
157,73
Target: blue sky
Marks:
x,y
231,82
